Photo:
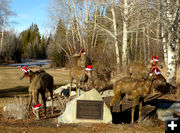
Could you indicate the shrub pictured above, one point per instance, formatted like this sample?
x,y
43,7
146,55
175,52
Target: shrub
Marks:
x,y
16,110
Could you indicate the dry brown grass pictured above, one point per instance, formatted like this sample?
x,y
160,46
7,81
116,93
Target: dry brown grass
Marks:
x,y
84,128
10,86
9,77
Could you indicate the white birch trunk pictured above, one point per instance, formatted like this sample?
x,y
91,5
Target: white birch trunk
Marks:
x,y
93,42
77,23
86,25
148,43
144,45
148,29
87,14
115,39
81,28
177,48
125,33
74,35
3,30
171,72
131,47
2,35
158,28
136,42
136,46
178,32
164,41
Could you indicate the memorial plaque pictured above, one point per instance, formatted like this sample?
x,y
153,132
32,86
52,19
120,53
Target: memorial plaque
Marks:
x,y
88,109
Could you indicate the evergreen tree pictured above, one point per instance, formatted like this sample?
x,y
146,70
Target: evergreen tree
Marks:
x,y
57,54
43,47
32,46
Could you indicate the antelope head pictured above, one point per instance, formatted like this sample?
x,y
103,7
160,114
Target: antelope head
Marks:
x,y
25,72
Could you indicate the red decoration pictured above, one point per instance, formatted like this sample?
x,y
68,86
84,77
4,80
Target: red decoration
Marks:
x,y
88,68
37,106
25,69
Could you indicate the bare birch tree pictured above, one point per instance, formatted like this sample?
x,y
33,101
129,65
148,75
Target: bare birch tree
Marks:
x,y
5,13
113,33
125,34
173,13
115,39
94,36
86,19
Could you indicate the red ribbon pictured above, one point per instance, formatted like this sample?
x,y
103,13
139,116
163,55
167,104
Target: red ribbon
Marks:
x,y
155,68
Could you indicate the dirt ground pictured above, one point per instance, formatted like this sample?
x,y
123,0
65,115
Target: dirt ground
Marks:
x,y
31,125
10,87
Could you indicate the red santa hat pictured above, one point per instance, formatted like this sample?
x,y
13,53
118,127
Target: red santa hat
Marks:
x,y
37,106
155,58
88,68
82,51
25,69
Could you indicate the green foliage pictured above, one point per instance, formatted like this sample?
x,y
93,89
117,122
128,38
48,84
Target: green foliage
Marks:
x,y
43,47
33,46
57,55
16,53
60,34
11,48
58,58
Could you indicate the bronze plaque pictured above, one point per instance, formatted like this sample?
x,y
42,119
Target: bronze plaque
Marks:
x,y
88,109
